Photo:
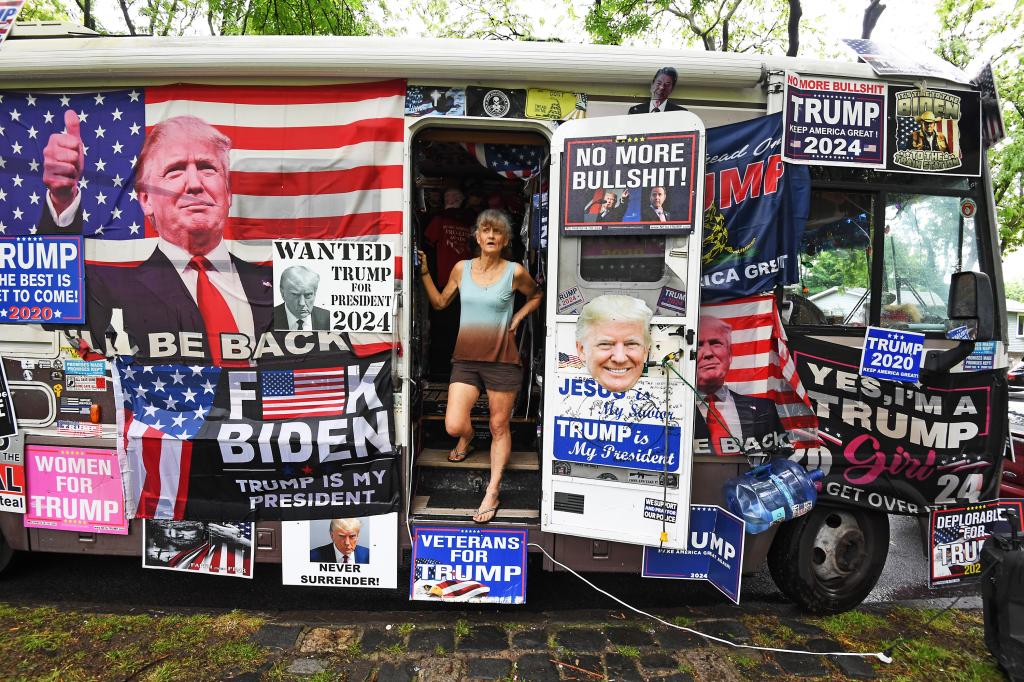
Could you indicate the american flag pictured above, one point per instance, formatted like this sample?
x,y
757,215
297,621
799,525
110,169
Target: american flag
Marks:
x,y
8,13
310,162
291,393
164,406
569,361
992,128
219,555
112,129
509,160
954,533
906,125
762,365
458,590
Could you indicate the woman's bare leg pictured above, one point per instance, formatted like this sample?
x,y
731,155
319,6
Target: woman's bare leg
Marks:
x,y
500,404
457,420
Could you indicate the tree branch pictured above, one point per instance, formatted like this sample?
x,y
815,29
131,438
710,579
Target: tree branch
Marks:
x,y
793,27
871,14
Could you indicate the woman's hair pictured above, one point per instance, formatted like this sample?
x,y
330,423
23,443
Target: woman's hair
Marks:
x,y
496,219
614,308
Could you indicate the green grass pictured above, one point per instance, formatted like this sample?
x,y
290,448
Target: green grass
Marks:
x,y
628,651
461,628
405,628
44,643
852,623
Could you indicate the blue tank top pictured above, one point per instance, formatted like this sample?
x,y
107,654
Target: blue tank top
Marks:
x,y
486,315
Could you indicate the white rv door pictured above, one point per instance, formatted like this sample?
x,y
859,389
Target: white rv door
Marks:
x,y
626,212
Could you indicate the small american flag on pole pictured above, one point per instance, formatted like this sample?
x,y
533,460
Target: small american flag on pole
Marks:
x,y
302,392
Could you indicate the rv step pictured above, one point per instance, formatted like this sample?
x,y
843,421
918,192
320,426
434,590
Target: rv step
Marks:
x,y
429,507
480,459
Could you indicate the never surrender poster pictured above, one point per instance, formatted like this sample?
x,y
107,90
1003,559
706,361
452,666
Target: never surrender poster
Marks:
x,y
895,447
295,439
755,208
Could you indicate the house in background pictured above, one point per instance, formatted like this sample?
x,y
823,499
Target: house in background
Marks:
x,y
1014,331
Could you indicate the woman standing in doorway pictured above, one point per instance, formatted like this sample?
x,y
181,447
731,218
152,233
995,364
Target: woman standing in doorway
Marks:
x,y
485,357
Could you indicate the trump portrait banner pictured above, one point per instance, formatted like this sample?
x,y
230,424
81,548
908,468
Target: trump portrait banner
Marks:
x,y
629,184
311,557
900,448
299,438
755,209
287,162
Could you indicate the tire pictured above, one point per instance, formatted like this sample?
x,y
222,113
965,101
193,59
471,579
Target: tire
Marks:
x,y
829,560
6,553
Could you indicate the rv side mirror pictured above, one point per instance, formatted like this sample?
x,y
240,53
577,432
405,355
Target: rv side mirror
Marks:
x,y
970,303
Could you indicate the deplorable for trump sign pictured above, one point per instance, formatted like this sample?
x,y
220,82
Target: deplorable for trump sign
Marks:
x,y
834,122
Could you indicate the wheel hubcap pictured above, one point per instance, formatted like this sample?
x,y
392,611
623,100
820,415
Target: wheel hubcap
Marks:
x,y
839,547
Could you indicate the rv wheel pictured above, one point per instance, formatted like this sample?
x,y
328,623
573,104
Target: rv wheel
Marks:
x,y
6,553
829,560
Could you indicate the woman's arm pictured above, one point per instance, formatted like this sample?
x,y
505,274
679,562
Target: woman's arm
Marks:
x,y
439,300
524,284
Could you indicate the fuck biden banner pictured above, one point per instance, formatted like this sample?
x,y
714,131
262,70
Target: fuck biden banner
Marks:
x,y
294,439
755,209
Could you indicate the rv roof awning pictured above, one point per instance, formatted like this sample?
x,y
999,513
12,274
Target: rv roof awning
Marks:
x,y
356,57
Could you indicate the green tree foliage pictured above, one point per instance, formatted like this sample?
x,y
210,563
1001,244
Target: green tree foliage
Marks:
x,y
44,10
479,19
292,17
725,25
987,28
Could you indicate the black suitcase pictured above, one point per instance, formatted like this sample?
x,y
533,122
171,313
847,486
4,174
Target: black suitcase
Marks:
x,y
1002,590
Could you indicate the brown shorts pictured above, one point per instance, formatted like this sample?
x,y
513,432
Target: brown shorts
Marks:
x,y
493,376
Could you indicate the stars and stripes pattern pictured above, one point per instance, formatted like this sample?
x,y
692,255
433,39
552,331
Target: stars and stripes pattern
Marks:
x,y
762,365
906,125
112,129
516,161
459,590
297,393
163,407
218,555
569,361
992,127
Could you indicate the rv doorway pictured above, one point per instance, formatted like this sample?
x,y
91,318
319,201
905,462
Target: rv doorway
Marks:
x,y
457,174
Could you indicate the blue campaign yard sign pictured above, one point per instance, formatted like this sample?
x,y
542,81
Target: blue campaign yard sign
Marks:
x,y
468,564
41,280
892,354
715,552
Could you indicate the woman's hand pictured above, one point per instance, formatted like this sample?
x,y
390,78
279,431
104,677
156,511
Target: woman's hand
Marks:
x,y
423,270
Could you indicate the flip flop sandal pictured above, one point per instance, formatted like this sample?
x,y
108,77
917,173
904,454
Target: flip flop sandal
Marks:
x,y
457,457
493,511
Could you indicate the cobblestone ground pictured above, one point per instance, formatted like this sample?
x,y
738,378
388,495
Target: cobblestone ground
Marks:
x,y
620,649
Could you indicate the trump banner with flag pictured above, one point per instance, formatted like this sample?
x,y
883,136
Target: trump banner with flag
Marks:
x,y
755,209
240,165
295,439
766,407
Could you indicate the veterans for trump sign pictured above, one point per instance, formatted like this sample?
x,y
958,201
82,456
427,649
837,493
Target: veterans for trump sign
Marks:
x,y
834,122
